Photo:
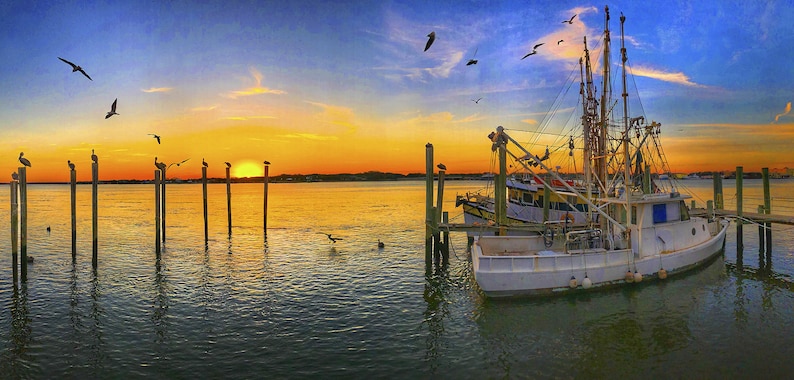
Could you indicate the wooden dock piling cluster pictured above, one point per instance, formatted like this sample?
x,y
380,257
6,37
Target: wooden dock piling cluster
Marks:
x,y
436,247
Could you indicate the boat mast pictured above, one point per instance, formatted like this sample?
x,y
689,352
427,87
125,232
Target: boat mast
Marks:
x,y
626,139
601,154
587,103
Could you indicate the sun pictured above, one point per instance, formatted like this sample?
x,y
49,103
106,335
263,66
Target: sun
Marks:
x,y
244,169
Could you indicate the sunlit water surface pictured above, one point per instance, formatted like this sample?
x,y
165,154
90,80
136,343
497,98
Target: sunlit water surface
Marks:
x,y
292,304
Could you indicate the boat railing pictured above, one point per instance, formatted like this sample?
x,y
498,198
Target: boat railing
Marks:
x,y
583,240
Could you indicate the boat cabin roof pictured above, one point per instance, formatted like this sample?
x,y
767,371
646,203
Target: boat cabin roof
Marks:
x,y
650,198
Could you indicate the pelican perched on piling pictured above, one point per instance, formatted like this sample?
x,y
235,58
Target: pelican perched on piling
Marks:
x,y
267,162
23,160
442,166
94,157
228,165
15,176
159,165
204,163
71,164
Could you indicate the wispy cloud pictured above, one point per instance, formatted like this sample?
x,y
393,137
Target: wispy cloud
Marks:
x,y
336,115
203,109
157,89
309,136
678,78
243,118
258,89
785,112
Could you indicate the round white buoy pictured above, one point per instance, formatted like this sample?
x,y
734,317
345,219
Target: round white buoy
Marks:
x,y
637,276
662,274
572,283
629,277
587,283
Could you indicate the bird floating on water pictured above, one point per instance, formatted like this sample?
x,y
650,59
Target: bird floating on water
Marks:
x,y
332,239
94,157
76,68
23,160
71,164
431,38
380,244
442,166
473,61
112,109
48,230
228,165
534,50
204,163
569,21
155,136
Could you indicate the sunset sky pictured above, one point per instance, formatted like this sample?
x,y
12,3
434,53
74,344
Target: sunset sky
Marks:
x,y
330,87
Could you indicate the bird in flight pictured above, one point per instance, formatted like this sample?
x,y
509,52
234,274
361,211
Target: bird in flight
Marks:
x,y
155,136
71,164
228,165
76,68
473,61
204,163
442,166
23,160
476,101
94,157
431,38
113,110
559,42
332,239
534,50
569,21
182,162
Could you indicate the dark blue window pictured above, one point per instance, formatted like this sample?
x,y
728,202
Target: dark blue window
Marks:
x,y
659,213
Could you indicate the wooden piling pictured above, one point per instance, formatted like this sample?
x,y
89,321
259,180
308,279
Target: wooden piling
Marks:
x,y
767,208
718,198
445,241
204,199
157,211
14,186
229,199
739,205
646,180
428,207
264,203
23,223
500,204
73,198
163,180
761,232
94,197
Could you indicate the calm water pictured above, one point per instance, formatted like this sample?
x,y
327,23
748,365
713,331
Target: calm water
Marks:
x,y
297,306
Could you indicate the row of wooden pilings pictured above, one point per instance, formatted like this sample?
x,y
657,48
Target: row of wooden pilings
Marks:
x,y
19,213
436,241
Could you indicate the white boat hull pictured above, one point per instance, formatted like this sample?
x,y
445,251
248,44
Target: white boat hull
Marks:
x,y
513,274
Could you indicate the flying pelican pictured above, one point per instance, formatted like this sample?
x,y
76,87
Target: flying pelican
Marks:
x,y
71,165
23,160
155,136
112,109
204,163
534,50
442,166
569,21
431,38
332,239
228,165
76,68
559,42
94,157
473,61
159,165
476,101
267,162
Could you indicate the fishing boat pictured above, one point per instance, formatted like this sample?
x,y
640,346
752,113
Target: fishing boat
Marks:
x,y
632,228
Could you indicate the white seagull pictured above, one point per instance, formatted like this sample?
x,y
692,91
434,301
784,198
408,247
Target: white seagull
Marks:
x,y
112,109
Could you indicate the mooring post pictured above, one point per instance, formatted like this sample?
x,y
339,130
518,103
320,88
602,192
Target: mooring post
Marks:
x,y
163,180
445,241
23,221
264,202
767,209
14,185
710,210
229,198
437,218
428,207
204,199
646,180
94,197
500,204
718,191
761,232
157,211
73,197
739,213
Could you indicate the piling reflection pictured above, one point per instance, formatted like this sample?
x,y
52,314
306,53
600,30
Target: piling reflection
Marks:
x,y
15,357
435,296
96,336
160,303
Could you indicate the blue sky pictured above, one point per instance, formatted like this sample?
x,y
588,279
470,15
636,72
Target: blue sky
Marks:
x,y
346,86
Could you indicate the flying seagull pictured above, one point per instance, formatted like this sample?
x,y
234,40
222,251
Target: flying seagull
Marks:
x,y
442,166
431,38
332,239
71,164
569,21
182,162
473,61
76,68
155,136
112,109
559,42
476,101
228,165
204,163
23,160
534,50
